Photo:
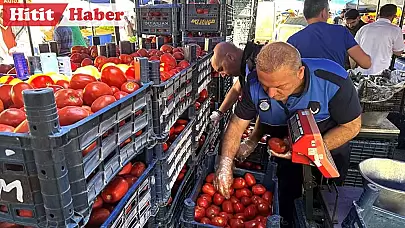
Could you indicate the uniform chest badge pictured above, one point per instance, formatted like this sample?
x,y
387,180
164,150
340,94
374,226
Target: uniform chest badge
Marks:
x,y
315,107
264,105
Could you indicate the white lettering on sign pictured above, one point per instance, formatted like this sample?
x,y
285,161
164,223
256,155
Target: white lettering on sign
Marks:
x,y
9,187
9,152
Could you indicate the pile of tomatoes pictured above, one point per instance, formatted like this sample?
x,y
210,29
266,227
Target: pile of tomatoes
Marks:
x,y
203,96
248,207
114,192
76,99
174,132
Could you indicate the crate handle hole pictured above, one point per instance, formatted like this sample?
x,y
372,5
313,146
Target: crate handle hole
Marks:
x,y
51,215
70,211
43,172
63,168
34,127
14,167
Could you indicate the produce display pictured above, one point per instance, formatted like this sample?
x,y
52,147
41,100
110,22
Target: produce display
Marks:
x,y
249,205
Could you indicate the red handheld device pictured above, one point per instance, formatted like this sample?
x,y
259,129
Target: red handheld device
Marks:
x,y
307,144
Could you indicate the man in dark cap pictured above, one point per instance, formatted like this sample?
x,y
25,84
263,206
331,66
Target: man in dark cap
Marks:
x,y
353,21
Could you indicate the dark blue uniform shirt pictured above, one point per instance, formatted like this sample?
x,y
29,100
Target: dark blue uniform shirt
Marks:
x,y
323,40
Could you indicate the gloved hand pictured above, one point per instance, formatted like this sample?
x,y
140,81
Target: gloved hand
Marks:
x,y
216,116
224,177
245,149
286,155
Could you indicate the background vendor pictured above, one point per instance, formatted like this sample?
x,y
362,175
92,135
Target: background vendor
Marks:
x,y
283,84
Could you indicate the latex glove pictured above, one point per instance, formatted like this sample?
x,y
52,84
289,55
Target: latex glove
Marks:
x,y
224,177
216,116
245,149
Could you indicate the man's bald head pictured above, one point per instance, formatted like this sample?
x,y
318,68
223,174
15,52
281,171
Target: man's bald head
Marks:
x,y
280,71
227,59
277,55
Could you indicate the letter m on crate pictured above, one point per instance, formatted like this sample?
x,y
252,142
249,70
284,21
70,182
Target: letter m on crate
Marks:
x,y
4,187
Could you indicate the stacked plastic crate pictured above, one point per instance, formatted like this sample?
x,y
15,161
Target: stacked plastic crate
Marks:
x,y
201,20
158,20
244,20
54,175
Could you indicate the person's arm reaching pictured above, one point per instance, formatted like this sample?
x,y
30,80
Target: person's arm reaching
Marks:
x,y
360,57
245,111
248,146
355,52
230,146
231,97
341,134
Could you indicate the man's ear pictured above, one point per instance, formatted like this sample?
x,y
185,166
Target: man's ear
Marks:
x,y
301,72
230,56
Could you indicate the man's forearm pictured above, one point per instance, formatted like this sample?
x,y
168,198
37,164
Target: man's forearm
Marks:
x,y
232,136
341,134
230,98
256,134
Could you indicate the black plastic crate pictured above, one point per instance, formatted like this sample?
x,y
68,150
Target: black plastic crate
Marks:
x,y
395,104
135,208
52,157
353,177
169,216
171,162
268,179
201,41
202,17
364,148
202,74
163,19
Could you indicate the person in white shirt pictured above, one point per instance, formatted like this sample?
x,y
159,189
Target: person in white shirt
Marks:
x,y
380,40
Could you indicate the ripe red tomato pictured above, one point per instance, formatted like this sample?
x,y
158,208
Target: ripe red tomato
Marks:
x,y
120,94
16,93
71,114
130,73
164,76
94,90
212,211
114,60
138,168
209,189
218,199
115,190
219,221
143,52
102,102
236,223
98,216
268,197
89,149
79,81
261,225
5,91
261,219
22,127
233,199
125,59
184,64
205,220
210,178
130,87
166,48
277,145
55,88
225,215
250,212
264,209
178,49
239,183
258,189
203,202
203,96
68,97
63,83
207,197
41,81
238,207
243,192
86,62
201,140
250,179
246,201
130,179
99,60
165,147
197,105
251,224
154,58
6,128
199,213
98,203
240,216
168,60
113,76
134,55
178,129
12,117
227,206
178,56
114,89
